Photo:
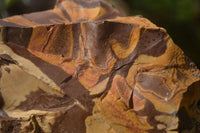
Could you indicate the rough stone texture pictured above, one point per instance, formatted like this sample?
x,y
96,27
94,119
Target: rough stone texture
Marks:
x,y
83,67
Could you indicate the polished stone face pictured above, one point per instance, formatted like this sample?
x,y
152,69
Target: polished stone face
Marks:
x,y
82,67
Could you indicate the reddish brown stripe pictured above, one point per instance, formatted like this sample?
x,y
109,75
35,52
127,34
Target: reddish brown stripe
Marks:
x,y
153,83
46,17
73,121
65,12
53,72
119,28
59,42
6,59
9,24
75,90
16,35
76,31
150,111
41,100
152,42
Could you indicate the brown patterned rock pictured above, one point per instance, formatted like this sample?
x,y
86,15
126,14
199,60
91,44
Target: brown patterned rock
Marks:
x,y
83,67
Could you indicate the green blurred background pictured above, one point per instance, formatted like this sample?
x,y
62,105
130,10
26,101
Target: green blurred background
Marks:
x,y
181,18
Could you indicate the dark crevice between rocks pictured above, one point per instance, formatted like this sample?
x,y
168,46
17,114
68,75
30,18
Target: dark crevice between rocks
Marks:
x,y
131,105
189,120
36,126
1,101
66,80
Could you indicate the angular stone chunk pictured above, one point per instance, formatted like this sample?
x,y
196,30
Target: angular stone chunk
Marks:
x,y
82,67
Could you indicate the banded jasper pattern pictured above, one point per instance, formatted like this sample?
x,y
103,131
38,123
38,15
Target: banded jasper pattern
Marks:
x,y
83,67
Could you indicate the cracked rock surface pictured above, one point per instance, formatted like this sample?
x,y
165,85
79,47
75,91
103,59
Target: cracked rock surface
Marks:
x,y
82,67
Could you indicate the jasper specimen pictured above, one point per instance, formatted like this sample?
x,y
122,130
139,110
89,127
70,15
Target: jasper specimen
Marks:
x,y
83,67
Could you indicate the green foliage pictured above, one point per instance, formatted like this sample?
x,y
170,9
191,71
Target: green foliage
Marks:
x,y
2,7
5,5
16,7
175,10
10,3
